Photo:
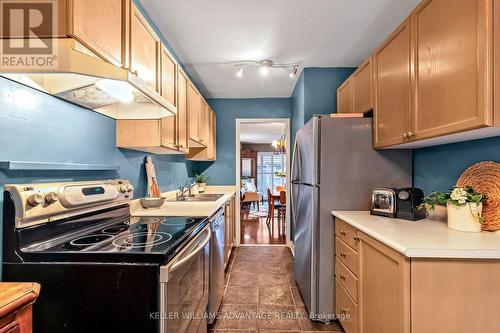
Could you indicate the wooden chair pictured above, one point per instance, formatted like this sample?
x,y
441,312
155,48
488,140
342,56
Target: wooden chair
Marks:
x,y
272,206
279,189
282,209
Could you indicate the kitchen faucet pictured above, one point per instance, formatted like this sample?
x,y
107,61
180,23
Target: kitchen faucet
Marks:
x,y
180,196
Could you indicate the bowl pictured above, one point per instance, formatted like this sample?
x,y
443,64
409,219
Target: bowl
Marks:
x,y
152,202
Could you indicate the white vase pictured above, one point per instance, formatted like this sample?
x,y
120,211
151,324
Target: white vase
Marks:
x,y
465,217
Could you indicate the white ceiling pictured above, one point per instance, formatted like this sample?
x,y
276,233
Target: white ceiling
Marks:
x,y
207,35
261,132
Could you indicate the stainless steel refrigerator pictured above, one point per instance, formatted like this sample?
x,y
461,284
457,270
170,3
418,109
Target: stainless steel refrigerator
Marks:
x,y
334,167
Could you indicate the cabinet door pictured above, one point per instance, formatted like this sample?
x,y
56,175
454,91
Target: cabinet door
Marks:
x,y
384,289
451,76
143,49
496,60
204,124
169,132
214,136
344,97
182,113
210,144
362,88
168,76
194,100
93,26
392,63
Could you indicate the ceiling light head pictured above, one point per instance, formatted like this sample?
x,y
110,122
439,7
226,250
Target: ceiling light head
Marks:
x,y
265,65
294,71
239,70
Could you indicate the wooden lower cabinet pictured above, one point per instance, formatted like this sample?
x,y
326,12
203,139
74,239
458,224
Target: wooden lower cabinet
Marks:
x,y
384,289
229,227
395,294
16,306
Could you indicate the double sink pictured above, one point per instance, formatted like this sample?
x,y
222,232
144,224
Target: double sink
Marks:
x,y
198,197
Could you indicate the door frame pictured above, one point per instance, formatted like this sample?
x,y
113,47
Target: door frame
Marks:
x,y
286,122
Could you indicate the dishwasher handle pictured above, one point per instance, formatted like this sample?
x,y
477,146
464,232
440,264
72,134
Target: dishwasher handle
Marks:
x,y
192,253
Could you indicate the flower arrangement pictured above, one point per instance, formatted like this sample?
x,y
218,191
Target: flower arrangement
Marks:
x,y
459,198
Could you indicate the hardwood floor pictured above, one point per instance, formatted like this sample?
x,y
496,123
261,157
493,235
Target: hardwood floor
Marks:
x,y
254,229
261,295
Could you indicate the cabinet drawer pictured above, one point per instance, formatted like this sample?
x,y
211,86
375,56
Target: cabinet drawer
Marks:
x,y
347,255
346,309
346,279
347,233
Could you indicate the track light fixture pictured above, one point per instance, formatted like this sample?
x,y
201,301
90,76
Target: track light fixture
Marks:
x,y
239,71
294,71
265,66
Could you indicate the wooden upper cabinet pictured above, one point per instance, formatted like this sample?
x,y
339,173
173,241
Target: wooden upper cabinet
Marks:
x,y
362,87
194,105
451,67
169,132
496,61
384,288
182,112
344,97
144,46
100,26
211,145
168,76
204,123
392,68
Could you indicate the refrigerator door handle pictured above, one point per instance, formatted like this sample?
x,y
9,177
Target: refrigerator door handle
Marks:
x,y
296,172
292,201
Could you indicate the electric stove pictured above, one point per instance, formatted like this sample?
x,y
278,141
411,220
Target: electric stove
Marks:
x,y
98,264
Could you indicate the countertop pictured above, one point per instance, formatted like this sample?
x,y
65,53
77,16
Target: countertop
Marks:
x,y
424,238
15,295
186,208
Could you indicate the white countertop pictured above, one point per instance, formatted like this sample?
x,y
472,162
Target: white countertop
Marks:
x,y
186,208
424,238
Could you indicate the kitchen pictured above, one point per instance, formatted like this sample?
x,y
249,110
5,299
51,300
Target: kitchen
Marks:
x,y
143,97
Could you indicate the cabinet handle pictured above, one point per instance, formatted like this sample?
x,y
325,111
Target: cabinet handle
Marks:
x,y
342,232
343,276
411,134
344,310
136,73
343,254
356,238
405,135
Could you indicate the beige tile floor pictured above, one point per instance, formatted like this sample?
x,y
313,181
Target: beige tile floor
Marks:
x,y
262,296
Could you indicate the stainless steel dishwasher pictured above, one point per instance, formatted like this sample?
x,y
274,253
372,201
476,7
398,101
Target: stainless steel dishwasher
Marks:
x,y
216,280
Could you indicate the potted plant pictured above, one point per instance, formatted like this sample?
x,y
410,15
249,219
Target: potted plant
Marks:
x,y
464,207
201,180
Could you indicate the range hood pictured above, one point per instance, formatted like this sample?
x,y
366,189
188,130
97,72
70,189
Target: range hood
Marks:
x,y
88,81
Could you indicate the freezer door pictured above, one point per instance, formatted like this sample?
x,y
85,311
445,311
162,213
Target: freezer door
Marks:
x,y
305,241
307,152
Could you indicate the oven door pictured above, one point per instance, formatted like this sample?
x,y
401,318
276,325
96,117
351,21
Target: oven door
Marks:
x,y
184,287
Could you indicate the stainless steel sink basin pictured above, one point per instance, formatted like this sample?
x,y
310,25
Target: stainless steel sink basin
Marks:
x,y
199,197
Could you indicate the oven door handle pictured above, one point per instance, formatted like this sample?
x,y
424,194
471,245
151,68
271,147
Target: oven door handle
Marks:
x,y
192,253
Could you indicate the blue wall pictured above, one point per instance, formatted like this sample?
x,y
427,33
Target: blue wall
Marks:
x,y
223,170
316,93
438,168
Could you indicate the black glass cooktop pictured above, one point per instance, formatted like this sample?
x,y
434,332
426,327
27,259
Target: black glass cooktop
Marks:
x,y
113,239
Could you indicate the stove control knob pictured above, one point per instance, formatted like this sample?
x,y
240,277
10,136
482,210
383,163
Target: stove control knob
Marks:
x,y
35,200
51,197
123,188
130,188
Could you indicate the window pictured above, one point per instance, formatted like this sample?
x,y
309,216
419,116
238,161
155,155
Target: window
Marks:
x,y
267,165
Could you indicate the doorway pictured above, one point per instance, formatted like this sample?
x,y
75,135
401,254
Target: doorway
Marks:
x,y
262,174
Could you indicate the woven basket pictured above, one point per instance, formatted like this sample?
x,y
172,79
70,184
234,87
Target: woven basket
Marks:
x,y
484,177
